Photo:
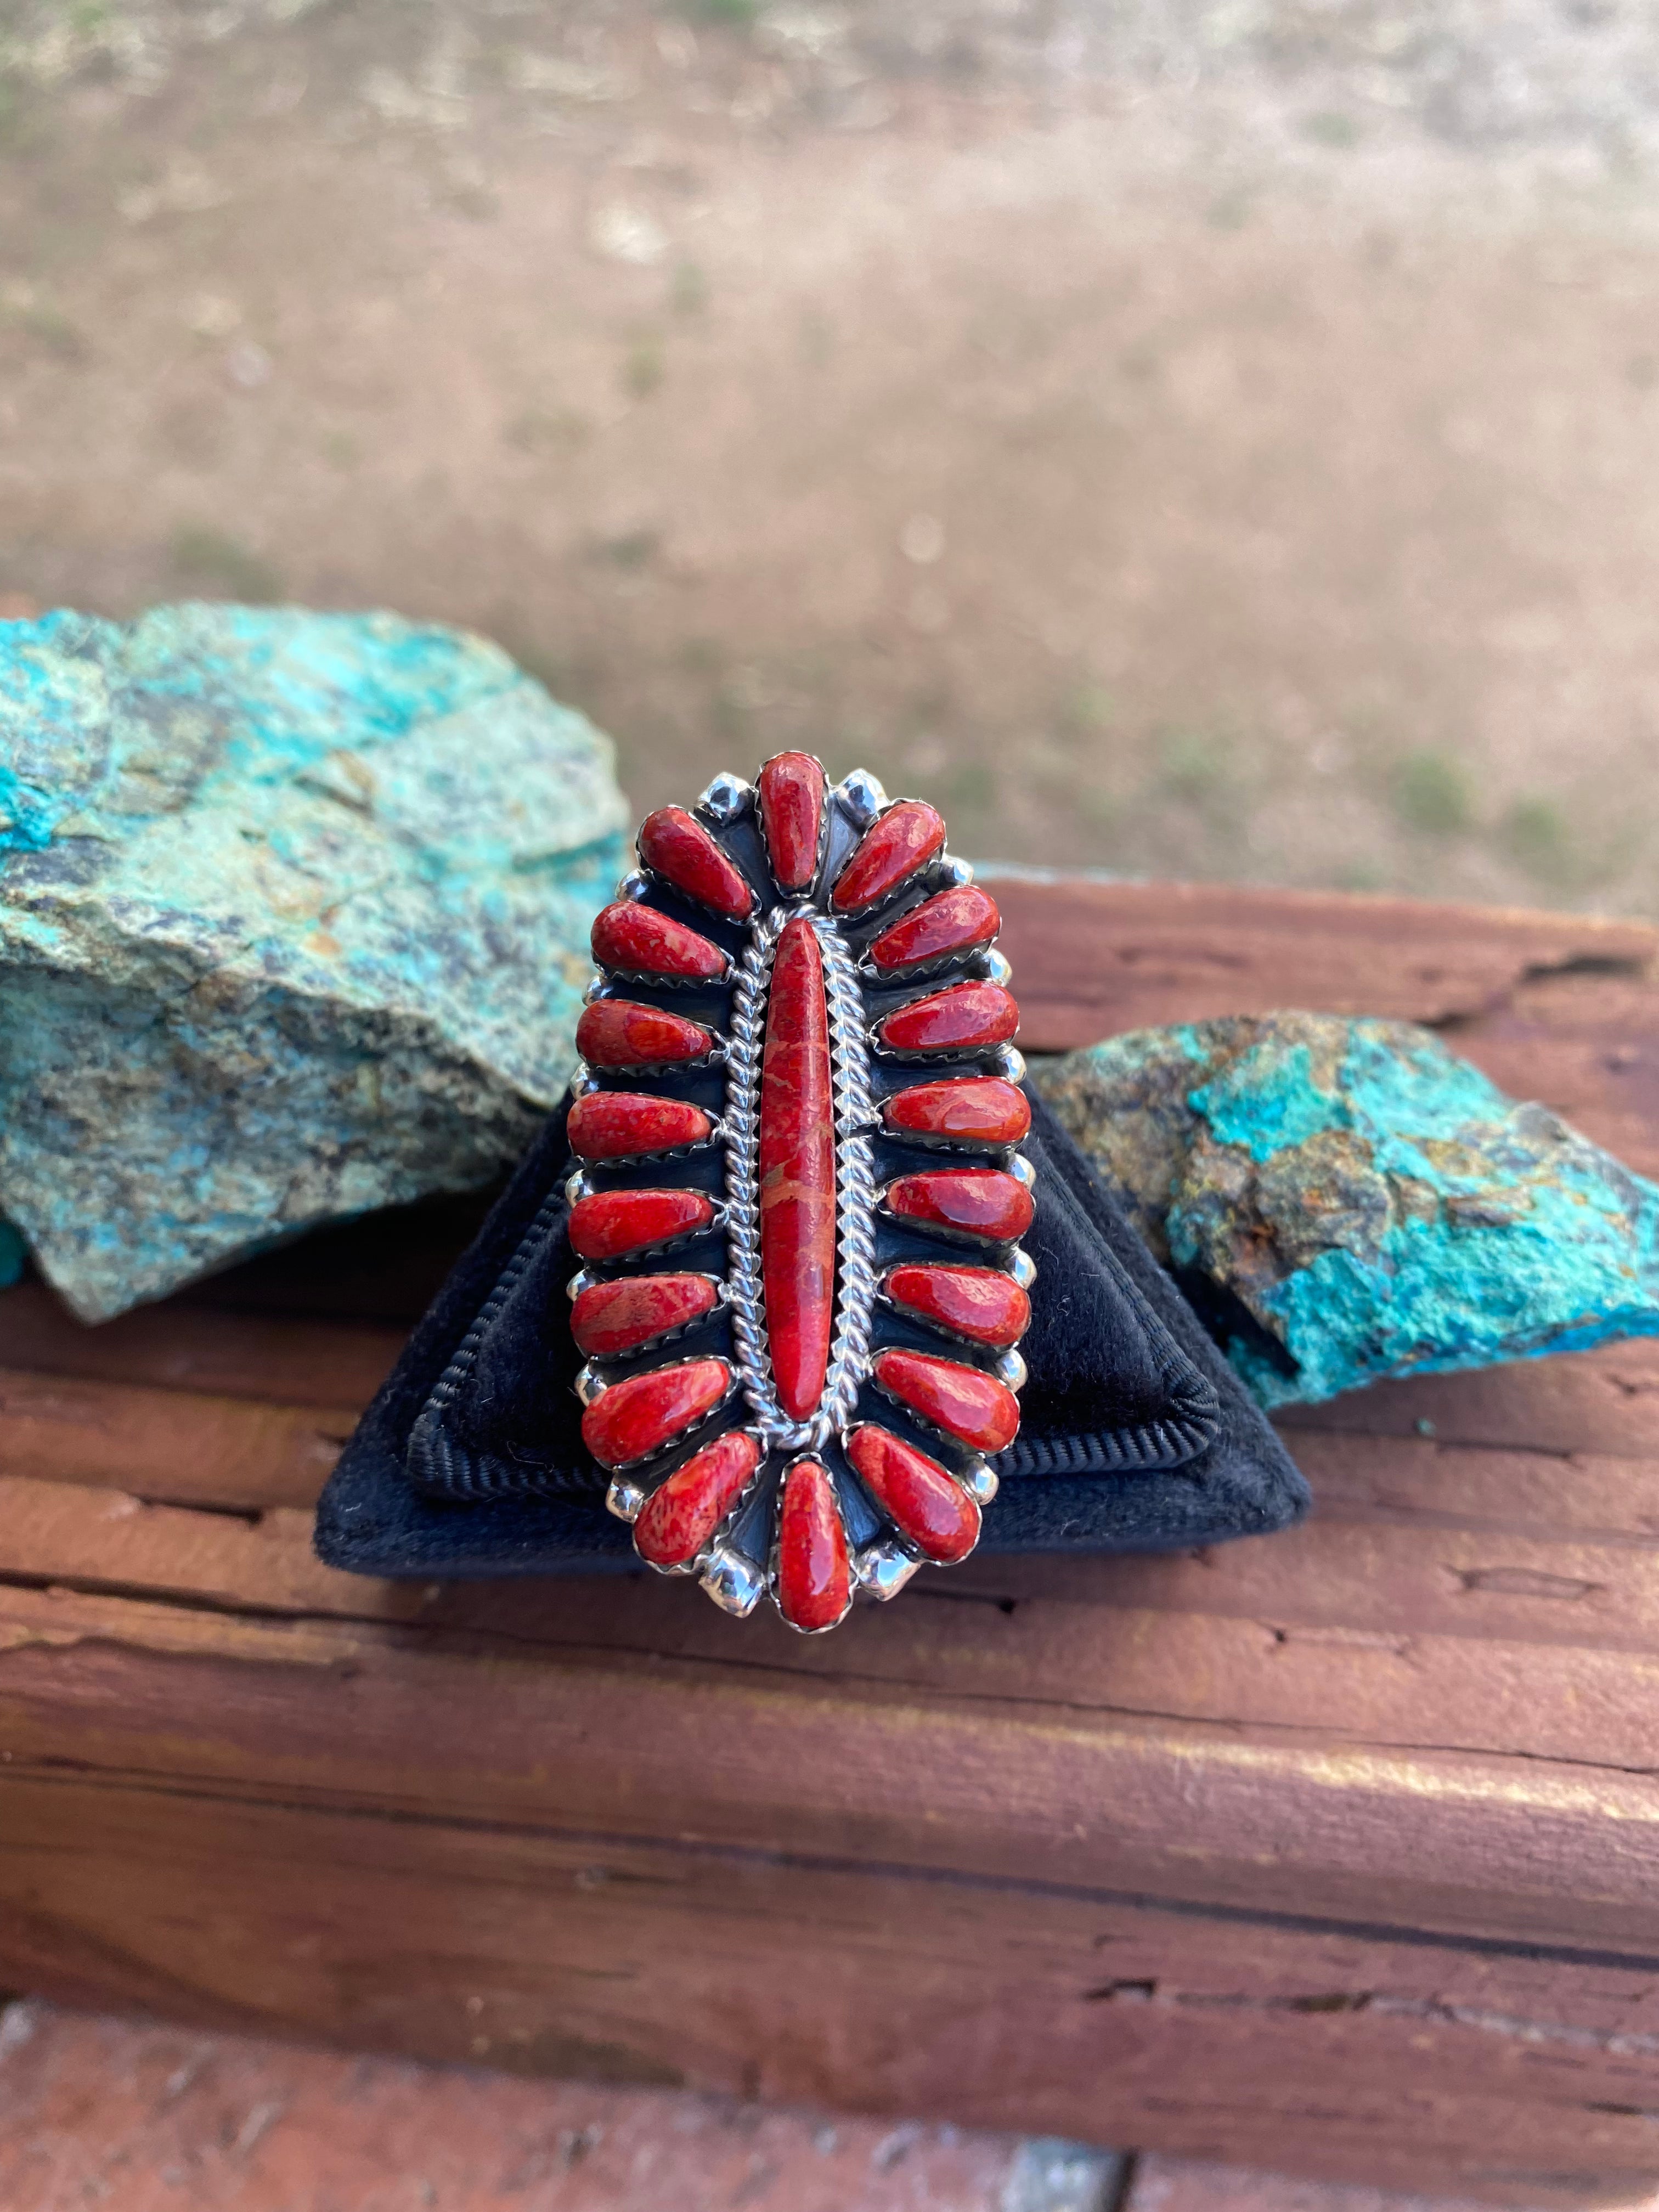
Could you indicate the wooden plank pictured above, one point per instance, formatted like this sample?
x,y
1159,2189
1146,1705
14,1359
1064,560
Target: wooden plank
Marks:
x,y
173,1346
1092,959
164,1444
800,1980
351,1715
1400,1635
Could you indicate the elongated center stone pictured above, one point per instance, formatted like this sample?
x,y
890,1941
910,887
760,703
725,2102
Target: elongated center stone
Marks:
x,y
798,1173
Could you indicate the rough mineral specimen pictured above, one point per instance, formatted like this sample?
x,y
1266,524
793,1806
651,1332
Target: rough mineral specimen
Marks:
x,y
293,912
1349,1201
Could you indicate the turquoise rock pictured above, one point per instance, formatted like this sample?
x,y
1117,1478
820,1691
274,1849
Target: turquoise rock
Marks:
x,y
293,912
1348,1199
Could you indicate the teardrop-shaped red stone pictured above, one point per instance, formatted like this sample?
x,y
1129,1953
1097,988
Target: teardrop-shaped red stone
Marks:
x,y
642,942
609,1318
627,1033
613,1223
963,1401
967,1014
937,1514
952,920
892,849
790,790
814,1580
973,1109
677,846
978,1202
982,1303
798,1173
618,1125
635,1418
682,1514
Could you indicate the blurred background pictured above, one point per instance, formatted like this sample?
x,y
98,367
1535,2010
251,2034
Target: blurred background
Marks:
x,y
1210,437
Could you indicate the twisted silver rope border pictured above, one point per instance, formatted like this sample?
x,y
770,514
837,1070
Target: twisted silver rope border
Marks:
x,y
855,1191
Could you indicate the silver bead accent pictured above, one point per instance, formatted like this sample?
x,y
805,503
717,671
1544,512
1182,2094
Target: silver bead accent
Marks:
x,y
1022,1170
727,798
625,1499
590,1383
862,796
578,1186
883,1569
580,1281
959,872
633,885
583,1081
1010,1368
1021,1267
980,1483
735,1584
1010,1064
599,989
992,966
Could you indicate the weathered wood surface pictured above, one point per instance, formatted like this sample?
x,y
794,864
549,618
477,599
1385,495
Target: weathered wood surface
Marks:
x,y
1340,1850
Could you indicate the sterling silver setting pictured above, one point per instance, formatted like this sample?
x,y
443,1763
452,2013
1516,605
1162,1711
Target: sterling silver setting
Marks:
x,y
884,1536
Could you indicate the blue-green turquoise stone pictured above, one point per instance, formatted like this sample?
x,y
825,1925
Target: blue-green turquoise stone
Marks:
x,y
294,911
1348,1200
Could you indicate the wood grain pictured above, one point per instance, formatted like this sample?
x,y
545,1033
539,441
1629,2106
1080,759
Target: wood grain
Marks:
x,y
807,1981
1336,1851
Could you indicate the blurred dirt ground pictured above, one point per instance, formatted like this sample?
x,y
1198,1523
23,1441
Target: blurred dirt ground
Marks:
x,y
1214,438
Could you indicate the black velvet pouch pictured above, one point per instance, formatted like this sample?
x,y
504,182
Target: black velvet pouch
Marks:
x,y
1135,1434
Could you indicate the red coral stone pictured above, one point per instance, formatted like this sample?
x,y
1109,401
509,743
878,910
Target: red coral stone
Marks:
x,y
968,1014
949,922
608,1318
814,1581
636,1418
791,793
627,1033
798,1173
980,1201
961,1400
679,1518
892,848
974,1109
980,1302
914,1491
680,850
645,943
615,1125
613,1223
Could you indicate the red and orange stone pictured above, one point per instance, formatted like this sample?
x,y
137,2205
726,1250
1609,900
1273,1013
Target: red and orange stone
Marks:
x,y
798,1173
891,851
627,1033
814,1583
966,1109
968,1202
917,1493
675,846
964,1401
609,1225
951,922
790,792
622,1125
635,1420
640,941
966,1016
981,1304
682,1513
609,1319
